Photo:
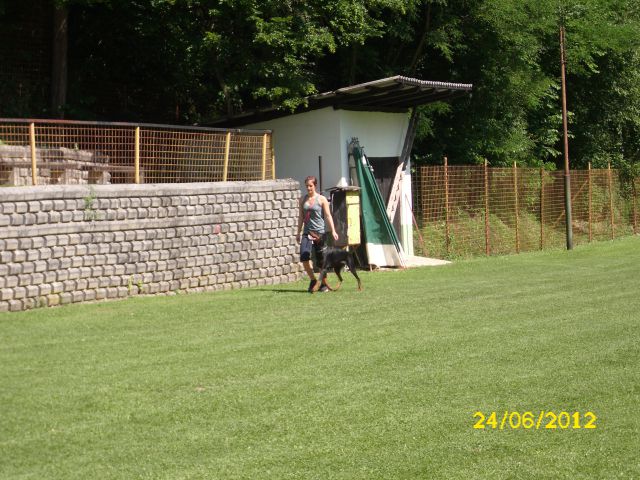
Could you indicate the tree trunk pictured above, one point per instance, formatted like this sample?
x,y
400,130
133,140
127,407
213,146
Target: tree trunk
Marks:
x,y
59,61
421,43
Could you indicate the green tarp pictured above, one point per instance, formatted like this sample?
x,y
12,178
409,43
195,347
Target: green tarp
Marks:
x,y
381,242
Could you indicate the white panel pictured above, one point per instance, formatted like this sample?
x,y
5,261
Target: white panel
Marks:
x,y
380,133
300,139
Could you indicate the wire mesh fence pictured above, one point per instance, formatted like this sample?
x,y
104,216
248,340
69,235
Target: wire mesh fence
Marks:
x,y
47,152
476,210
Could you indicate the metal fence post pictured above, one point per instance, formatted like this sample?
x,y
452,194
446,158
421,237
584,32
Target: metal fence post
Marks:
x,y
225,167
613,227
264,157
32,141
590,204
541,208
515,195
635,213
136,155
273,159
446,204
487,240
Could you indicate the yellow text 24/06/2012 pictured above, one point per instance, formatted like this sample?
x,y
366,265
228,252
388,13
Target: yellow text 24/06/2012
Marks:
x,y
543,420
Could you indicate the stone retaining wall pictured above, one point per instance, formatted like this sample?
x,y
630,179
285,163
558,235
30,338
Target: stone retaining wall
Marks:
x,y
64,244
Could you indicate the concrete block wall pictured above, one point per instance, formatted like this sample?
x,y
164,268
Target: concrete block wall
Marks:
x,y
72,243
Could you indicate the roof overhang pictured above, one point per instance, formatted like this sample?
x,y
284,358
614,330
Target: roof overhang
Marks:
x,y
393,94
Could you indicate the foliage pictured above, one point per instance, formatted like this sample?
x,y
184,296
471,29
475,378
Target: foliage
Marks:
x,y
191,61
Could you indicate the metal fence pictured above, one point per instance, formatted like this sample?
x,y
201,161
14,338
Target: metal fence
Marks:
x,y
38,152
475,210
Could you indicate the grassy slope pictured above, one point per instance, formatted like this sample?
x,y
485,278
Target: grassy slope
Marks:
x,y
275,383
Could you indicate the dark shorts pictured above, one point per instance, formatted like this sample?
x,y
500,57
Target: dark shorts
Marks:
x,y
307,245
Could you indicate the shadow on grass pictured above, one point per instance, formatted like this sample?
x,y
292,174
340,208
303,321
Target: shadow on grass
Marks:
x,y
279,290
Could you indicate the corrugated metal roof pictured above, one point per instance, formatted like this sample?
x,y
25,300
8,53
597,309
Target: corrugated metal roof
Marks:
x,y
393,94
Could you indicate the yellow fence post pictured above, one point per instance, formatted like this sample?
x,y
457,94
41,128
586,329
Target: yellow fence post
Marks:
x,y
136,155
225,167
264,157
32,141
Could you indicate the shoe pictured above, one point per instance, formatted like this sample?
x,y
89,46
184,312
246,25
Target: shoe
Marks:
x,y
311,285
324,288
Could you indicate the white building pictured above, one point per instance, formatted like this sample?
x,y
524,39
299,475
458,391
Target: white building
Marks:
x,y
314,140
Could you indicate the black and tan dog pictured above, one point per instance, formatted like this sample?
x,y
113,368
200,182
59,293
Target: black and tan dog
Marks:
x,y
335,259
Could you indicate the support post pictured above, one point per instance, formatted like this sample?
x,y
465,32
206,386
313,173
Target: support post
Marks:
x,y
516,206
635,212
613,225
487,233
32,142
264,157
225,166
541,208
590,203
446,204
567,174
273,159
136,155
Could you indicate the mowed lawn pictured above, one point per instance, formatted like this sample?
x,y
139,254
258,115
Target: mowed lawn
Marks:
x,y
273,383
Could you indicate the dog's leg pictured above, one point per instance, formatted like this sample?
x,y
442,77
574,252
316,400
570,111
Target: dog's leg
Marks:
x,y
352,268
337,270
321,279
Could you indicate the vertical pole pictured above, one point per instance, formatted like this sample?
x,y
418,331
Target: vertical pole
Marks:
x,y
273,159
264,157
567,177
446,203
225,166
515,198
635,213
590,204
541,208
487,241
320,173
613,226
136,155
32,141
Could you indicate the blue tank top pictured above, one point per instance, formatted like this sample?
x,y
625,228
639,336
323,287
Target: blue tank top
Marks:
x,y
313,220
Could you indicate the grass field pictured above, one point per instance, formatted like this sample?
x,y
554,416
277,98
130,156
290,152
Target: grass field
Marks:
x,y
275,383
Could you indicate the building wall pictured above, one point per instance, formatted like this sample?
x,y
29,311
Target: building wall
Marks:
x,y
64,244
300,139
380,133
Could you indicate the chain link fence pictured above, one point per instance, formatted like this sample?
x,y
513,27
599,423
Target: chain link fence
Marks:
x,y
480,210
46,152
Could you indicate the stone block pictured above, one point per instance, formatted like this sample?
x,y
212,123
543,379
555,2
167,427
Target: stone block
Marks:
x,y
65,298
15,305
7,293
